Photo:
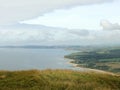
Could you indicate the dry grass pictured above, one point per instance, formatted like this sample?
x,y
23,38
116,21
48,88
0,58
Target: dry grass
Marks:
x,y
58,80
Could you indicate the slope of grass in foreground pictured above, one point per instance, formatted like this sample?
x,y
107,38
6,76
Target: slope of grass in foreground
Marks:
x,y
57,80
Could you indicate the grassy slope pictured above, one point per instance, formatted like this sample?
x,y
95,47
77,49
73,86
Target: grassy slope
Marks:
x,y
57,80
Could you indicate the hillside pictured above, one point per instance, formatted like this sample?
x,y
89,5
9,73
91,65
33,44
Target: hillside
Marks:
x,y
58,80
102,59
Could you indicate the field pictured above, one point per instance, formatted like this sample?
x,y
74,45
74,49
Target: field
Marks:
x,y
58,80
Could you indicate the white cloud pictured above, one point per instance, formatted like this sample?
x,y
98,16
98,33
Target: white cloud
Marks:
x,y
22,34
36,34
106,25
16,10
106,37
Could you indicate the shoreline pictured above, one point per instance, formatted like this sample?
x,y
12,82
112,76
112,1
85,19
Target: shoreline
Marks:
x,y
89,69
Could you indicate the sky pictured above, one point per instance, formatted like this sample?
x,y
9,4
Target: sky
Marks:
x,y
59,22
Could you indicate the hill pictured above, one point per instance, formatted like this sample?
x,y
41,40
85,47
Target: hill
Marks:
x,y
102,59
58,80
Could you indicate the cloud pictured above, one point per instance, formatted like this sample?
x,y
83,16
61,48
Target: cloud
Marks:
x,y
79,32
106,25
23,34
12,11
106,37
37,34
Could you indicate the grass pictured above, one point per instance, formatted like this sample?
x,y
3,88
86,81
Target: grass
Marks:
x,y
58,80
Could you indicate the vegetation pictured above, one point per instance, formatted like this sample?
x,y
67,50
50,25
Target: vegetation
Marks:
x,y
57,80
103,59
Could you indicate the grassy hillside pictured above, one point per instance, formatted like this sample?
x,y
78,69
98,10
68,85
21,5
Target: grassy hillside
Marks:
x,y
57,80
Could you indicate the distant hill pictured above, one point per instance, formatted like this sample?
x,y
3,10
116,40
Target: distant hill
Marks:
x,y
42,47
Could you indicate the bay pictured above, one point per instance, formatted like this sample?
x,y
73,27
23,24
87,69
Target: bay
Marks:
x,y
24,59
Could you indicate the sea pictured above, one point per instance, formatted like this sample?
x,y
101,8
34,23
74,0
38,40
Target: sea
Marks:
x,y
26,59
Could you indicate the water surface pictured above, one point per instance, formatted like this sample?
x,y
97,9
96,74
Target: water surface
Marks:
x,y
23,59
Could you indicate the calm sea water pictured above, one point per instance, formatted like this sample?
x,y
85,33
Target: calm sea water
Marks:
x,y
23,59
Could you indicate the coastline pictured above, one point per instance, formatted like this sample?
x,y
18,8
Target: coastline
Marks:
x,y
89,69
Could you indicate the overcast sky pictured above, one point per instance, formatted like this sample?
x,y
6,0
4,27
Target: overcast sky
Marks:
x,y
59,22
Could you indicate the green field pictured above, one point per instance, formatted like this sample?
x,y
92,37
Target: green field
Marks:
x,y
58,80
103,59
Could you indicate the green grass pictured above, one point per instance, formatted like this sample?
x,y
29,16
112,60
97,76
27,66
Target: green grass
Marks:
x,y
58,80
